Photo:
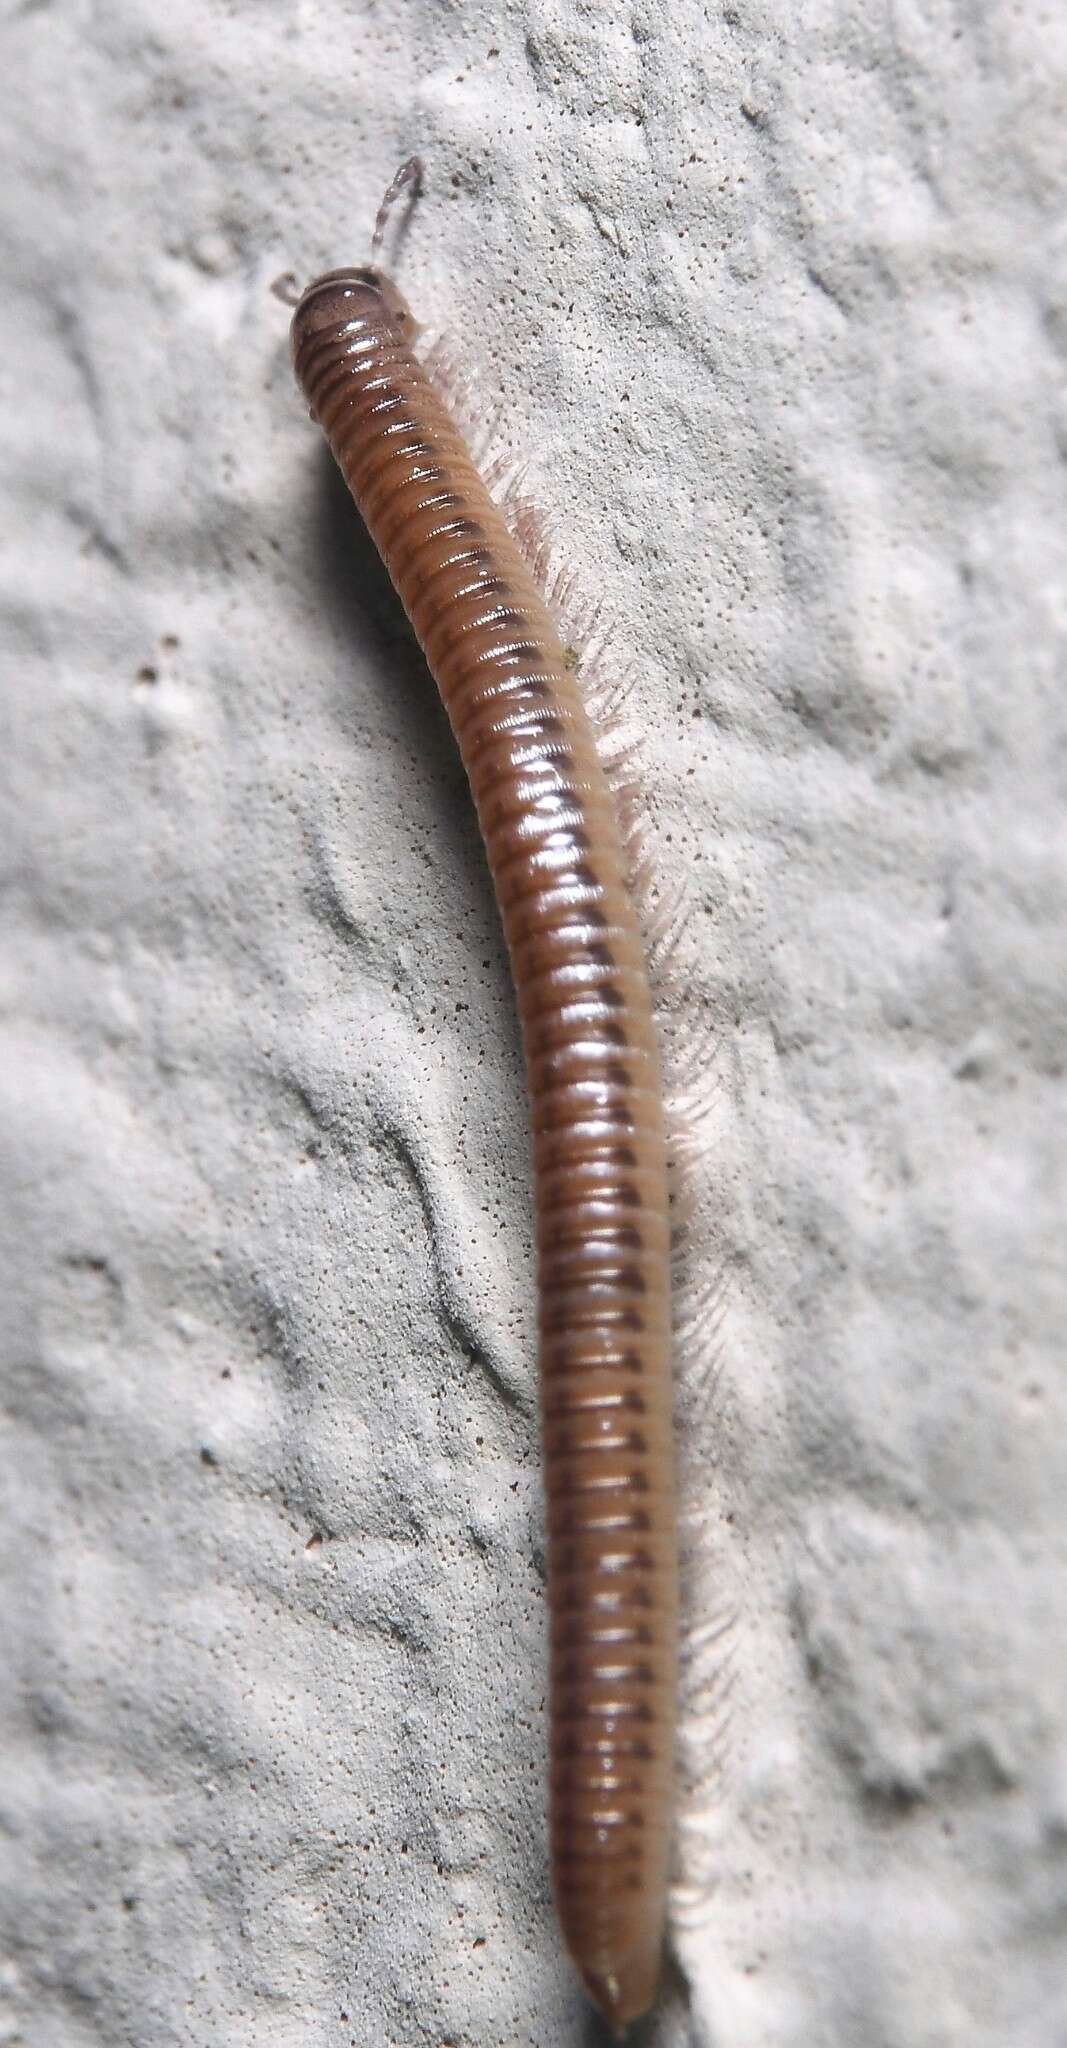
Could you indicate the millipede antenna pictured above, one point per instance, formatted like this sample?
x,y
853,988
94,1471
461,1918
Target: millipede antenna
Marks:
x,y
410,174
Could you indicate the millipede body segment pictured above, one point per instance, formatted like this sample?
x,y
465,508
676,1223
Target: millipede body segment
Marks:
x,y
559,867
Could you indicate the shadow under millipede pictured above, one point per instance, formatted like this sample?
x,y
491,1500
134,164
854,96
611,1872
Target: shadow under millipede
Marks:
x,y
354,588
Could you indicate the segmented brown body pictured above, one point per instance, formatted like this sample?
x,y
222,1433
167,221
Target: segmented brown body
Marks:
x,y
559,867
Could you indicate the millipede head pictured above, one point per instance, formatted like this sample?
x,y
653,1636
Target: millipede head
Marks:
x,y
357,297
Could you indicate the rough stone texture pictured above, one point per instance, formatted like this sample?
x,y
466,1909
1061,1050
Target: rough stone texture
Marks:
x,y
775,300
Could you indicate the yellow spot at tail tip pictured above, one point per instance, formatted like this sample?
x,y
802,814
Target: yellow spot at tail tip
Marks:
x,y
606,1993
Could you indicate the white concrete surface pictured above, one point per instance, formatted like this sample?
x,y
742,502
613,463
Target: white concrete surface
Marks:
x,y
775,299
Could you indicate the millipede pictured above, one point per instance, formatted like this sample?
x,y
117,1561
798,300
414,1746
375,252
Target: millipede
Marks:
x,y
561,871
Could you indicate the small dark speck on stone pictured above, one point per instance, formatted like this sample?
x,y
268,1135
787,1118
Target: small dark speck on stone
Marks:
x,y
207,1455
